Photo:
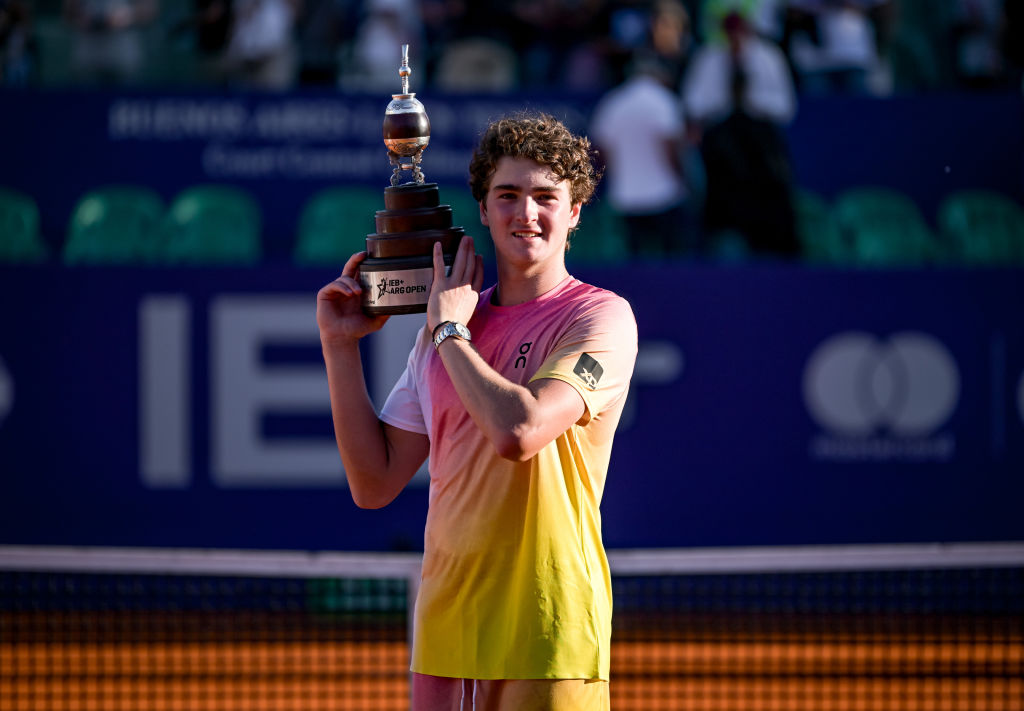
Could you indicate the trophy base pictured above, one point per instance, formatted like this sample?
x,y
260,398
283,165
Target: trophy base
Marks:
x,y
398,285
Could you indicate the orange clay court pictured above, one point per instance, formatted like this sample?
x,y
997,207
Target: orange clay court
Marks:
x,y
958,666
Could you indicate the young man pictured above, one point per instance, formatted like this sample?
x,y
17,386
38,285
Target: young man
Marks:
x,y
515,394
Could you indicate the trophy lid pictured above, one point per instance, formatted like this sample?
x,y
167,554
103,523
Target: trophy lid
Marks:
x,y
406,127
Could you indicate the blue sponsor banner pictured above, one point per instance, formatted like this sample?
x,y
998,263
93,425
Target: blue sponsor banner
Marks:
x,y
770,405
281,147
58,144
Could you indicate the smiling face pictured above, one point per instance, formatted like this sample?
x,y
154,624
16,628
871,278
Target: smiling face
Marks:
x,y
529,212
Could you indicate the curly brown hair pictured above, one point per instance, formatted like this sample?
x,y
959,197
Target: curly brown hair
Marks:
x,y
539,137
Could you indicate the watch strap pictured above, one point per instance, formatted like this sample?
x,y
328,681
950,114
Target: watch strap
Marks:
x,y
447,329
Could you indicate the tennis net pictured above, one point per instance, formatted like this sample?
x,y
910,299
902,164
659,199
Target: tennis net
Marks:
x,y
867,628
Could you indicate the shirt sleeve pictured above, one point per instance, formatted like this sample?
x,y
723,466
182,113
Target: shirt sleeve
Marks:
x,y
405,405
595,355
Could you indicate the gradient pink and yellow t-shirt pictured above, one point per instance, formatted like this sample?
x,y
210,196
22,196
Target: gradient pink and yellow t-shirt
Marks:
x,y
515,579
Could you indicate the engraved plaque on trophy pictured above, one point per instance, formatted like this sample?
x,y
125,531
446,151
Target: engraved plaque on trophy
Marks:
x,y
399,267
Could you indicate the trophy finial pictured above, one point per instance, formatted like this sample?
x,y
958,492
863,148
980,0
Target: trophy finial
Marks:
x,y
406,128
404,71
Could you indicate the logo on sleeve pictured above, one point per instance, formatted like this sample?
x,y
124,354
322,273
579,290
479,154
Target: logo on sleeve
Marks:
x,y
589,370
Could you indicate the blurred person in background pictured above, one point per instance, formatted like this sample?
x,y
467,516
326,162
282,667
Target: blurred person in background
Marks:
x,y
478,55
557,41
748,204
207,28
709,90
477,64
978,27
914,46
671,38
625,26
108,45
765,17
442,22
1013,43
739,96
369,63
640,134
261,51
534,26
836,46
515,393
326,26
17,43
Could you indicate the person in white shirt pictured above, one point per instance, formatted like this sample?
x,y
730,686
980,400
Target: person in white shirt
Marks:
x,y
108,44
261,50
707,87
843,53
640,132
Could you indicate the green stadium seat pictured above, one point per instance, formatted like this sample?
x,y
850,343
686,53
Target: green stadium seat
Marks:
x,y
820,239
982,227
600,238
334,223
466,214
465,208
20,242
212,224
883,228
115,224
728,247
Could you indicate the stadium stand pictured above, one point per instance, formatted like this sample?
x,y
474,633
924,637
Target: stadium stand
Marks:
x,y
883,227
820,239
20,241
600,238
212,224
981,227
115,224
466,214
334,223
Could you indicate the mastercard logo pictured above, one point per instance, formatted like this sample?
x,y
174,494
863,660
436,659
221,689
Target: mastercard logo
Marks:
x,y
856,384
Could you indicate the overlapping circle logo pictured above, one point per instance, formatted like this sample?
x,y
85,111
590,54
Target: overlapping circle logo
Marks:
x,y
6,392
855,384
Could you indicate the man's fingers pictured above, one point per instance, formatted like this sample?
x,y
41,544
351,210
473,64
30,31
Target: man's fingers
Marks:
x,y
351,268
438,263
348,283
342,286
478,273
462,267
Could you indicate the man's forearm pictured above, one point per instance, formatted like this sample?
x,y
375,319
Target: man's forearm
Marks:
x,y
512,417
356,427
362,442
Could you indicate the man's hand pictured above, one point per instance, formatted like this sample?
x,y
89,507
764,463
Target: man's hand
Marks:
x,y
453,297
339,310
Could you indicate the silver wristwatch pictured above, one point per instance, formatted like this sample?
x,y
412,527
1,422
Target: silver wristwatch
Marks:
x,y
450,328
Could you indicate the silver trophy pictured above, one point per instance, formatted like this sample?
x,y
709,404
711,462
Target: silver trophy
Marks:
x,y
399,267
406,128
